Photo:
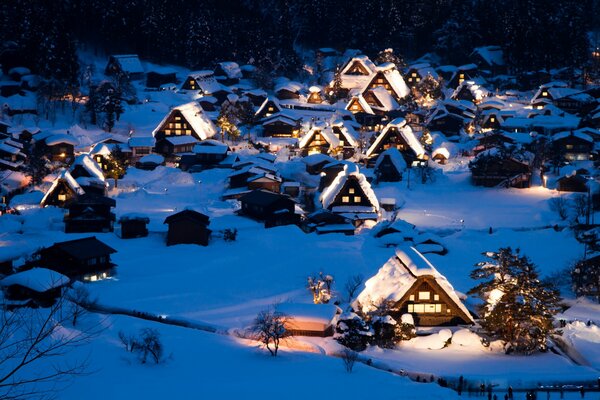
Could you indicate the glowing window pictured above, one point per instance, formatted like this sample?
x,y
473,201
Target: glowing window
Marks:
x,y
419,308
414,74
357,199
62,197
411,308
177,118
411,297
436,297
345,199
351,190
424,295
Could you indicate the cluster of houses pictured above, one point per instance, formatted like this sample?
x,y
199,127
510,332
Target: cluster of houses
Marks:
x,y
355,126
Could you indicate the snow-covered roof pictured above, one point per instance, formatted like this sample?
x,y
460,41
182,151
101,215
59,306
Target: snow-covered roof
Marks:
x,y
478,92
323,313
153,159
180,140
37,279
405,131
395,278
65,176
358,81
141,141
395,156
212,147
576,133
385,98
231,69
206,81
363,103
325,132
195,116
350,134
291,86
350,169
396,82
61,138
129,63
442,151
492,55
90,165
102,149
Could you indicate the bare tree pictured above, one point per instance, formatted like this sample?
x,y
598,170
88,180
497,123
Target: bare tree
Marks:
x,y
33,347
349,358
559,206
269,328
352,285
580,205
147,345
81,301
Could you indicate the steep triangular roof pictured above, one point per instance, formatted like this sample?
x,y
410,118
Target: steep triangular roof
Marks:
x,y
399,274
195,116
89,165
65,177
350,170
405,131
325,132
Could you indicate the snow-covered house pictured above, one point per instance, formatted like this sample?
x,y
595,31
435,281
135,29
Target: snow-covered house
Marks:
x,y
462,73
59,147
573,145
140,146
281,125
126,64
417,72
12,156
358,104
497,167
470,91
347,136
319,139
351,195
63,190
400,135
357,73
87,259
90,213
273,208
390,166
489,58
440,155
203,81
447,120
414,286
37,287
228,73
309,319
388,77
269,107
316,95
187,120
88,174
566,98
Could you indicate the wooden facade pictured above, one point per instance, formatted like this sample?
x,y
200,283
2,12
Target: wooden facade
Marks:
x,y
393,138
90,213
188,227
430,305
275,209
134,227
281,127
268,108
574,148
60,195
351,195
386,170
497,171
317,144
573,183
176,125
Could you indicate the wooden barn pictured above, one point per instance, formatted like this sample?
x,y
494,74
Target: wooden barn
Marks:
x,y
188,227
573,145
492,168
314,320
36,287
415,287
351,195
401,136
86,259
90,213
64,189
59,147
133,226
572,183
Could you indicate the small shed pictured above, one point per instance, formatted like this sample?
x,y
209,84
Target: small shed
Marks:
x,y
188,227
133,226
309,319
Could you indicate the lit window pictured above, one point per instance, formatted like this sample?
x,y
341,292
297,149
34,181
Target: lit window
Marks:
x,y
341,143
167,131
414,74
357,199
462,76
492,119
411,308
418,79
62,197
178,131
177,118
411,297
271,109
544,94
93,278
438,308
429,308
424,295
419,308
178,126
410,79
351,190
436,297
345,199
188,131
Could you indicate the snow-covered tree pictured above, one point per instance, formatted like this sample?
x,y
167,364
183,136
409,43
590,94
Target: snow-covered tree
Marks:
x,y
405,328
353,332
388,55
320,286
585,278
334,92
117,163
519,307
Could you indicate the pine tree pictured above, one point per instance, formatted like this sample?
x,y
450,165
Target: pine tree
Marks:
x,y
117,164
334,93
519,308
585,278
388,55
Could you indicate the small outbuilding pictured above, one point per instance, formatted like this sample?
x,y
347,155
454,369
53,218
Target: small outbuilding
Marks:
x,y
188,227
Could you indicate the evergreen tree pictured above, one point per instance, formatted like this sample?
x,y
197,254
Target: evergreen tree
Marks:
x,y
388,55
117,164
519,308
38,165
353,332
585,278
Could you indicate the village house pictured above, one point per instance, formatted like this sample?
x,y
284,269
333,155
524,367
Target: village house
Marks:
x,y
351,195
36,287
273,208
309,319
415,287
324,221
88,175
390,166
417,72
269,107
470,91
570,100
58,147
86,259
463,73
495,167
63,190
205,83
320,139
157,78
150,162
357,73
228,73
188,227
401,136
281,125
187,120
90,213
12,156
489,59
389,78
128,65
140,146
573,145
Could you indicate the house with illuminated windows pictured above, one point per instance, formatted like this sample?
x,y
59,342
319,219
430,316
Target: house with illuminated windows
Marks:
x,y
400,135
414,286
320,139
351,195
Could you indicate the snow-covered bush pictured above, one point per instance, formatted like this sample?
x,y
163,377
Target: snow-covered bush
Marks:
x,y
353,332
384,328
405,329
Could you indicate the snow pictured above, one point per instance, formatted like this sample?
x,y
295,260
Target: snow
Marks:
x,y
61,138
196,117
130,63
153,158
89,165
395,156
37,279
405,131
